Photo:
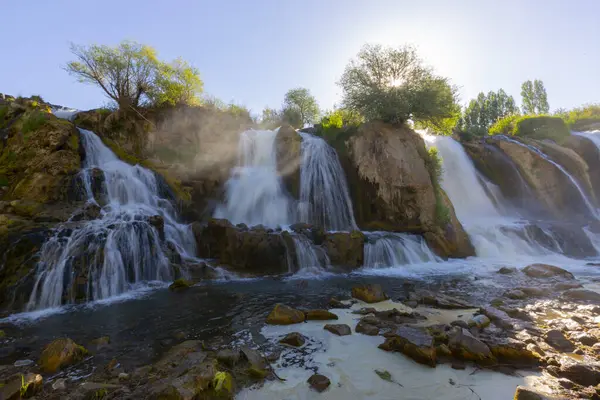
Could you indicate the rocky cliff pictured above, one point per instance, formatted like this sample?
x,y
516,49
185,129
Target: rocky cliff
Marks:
x,y
392,189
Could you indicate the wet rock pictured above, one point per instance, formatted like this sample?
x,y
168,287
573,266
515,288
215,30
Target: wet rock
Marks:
x,y
97,390
338,329
21,386
498,317
180,285
535,350
285,315
583,374
582,295
415,343
158,223
507,270
584,338
366,328
546,271
23,363
466,347
319,382
560,286
345,249
59,384
294,339
479,321
123,376
335,303
258,365
228,357
371,293
516,294
365,311
440,300
460,323
443,350
523,393
100,343
89,212
458,365
31,384
319,315
511,351
533,291
61,353
557,339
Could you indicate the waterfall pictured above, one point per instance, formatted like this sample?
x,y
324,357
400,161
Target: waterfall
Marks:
x,y
254,194
594,136
388,249
571,178
104,257
310,258
324,197
493,232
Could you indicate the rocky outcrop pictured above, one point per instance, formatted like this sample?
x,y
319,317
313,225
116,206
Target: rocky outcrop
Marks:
x,y
551,187
388,174
589,152
61,353
247,251
288,146
345,249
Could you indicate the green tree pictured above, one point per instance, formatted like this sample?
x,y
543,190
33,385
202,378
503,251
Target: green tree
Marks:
x,y
270,118
125,73
528,98
541,97
292,116
304,103
176,83
485,110
394,86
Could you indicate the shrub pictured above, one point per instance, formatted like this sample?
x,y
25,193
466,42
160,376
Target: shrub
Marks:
x,y
584,118
542,127
33,121
504,126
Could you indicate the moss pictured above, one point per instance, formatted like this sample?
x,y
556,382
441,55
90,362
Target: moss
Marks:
x,y
33,121
2,334
434,165
74,142
179,285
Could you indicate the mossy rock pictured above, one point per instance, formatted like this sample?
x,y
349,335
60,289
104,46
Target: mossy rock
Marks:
x,y
180,285
285,315
61,353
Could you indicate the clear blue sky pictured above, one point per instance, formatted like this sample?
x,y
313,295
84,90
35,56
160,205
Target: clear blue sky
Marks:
x,y
252,52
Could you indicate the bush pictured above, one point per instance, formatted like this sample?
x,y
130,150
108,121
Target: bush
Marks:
x,y
33,121
584,118
542,127
532,126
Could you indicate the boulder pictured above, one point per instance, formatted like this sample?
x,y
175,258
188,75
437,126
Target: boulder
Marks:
x,y
507,270
228,357
479,321
415,343
158,223
285,315
318,382
523,393
466,347
557,339
61,353
180,285
582,373
582,295
345,249
546,271
21,386
366,328
253,252
511,351
293,339
439,300
371,293
338,329
319,315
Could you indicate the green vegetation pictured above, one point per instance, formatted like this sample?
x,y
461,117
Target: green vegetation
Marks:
x,y
583,118
535,99
131,75
434,165
303,103
484,111
336,122
33,121
394,86
532,126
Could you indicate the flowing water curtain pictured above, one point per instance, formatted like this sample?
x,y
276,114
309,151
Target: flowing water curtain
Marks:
x,y
324,196
104,257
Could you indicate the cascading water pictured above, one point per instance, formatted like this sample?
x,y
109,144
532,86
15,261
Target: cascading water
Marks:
x,y
104,257
492,233
593,211
324,197
388,249
254,194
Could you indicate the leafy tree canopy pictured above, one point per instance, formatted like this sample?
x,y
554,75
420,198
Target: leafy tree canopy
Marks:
x,y
393,85
534,97
303,103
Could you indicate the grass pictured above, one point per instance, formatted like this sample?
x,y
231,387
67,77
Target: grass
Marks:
x,y
532,126
33,122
